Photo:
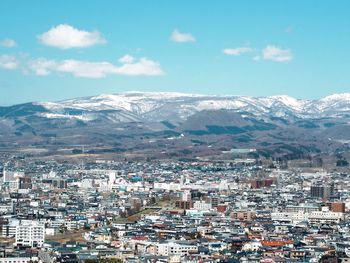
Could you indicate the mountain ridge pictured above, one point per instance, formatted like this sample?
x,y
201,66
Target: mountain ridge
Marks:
x,y
146,103
167,124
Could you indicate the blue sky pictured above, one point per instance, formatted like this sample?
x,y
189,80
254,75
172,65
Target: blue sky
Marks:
x,y
52,50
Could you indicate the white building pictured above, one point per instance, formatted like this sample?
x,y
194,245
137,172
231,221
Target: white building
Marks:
x,y
6,208
252,246
10,180
201,206
9,230
186,195
30,233
293,217
17,260
172,248
10,176
167,186
314,217
325,217
87,183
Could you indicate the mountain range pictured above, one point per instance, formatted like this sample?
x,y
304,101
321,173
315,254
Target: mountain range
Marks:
x,y
131,122
138,106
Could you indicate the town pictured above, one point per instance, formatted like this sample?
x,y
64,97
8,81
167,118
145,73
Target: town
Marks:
x,y
172,211
174,131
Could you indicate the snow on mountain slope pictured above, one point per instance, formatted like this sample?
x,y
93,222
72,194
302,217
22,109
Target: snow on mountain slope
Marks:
x,y
167,105
283,100
139,103
335,102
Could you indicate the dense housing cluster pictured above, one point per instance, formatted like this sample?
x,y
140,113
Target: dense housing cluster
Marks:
x,y
170,211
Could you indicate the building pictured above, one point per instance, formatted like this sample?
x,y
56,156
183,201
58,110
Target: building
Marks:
x,y
202,206
172,248
243,215
9,230
183,204
260,183
30,233
25,183
337,207
326,217
214,201
186,195
11,180
16,260
301,208
322,191
221,208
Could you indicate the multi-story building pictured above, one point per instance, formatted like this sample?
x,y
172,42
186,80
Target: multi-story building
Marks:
x,y
202,206
322,191
30,233
183,204
336,207
172,248
243,215
11,180
9,230
325,217
314,217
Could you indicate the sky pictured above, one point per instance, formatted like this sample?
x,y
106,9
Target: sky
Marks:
x,y
54,50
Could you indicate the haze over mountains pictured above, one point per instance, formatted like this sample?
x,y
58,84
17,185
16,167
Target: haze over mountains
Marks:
x,y
224,121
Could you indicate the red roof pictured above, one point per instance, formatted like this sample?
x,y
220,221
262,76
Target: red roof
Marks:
x,y
140,238
276,243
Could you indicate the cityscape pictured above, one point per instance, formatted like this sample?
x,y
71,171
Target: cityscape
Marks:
x,y
171,211
174,131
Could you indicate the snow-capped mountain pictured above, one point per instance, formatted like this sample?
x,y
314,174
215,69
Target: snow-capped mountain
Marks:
x,y
138,121
138,106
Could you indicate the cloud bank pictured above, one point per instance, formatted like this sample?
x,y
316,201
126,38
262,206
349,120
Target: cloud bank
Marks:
x,y
84,69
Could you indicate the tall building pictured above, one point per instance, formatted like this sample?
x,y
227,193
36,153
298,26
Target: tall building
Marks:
x,y
9,176
25,183
214,201
322,191
11,179
9,230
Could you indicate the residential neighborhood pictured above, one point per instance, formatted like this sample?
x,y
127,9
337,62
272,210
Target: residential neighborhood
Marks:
x,y
171,211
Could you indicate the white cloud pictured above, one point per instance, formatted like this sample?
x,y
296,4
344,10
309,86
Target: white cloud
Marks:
x,y
88,69
126,59
237,51
9,62
270,52
177,36
144,66
65,36
80,68
8,43
42,66
277,54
